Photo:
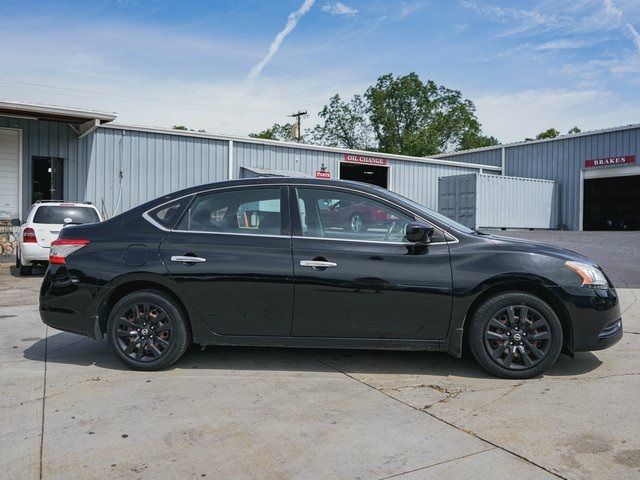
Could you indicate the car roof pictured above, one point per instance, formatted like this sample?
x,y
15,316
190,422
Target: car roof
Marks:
x,y
276,181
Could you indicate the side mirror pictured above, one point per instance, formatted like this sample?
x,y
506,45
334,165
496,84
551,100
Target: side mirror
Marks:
x,y
417,232
16,222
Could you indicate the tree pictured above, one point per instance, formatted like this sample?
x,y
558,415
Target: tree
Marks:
x,y
345,124
401,115
283,133
550,133
415,118
473,140
574,130
182,127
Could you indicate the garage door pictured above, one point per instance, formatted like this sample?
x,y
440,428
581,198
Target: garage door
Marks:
x,y
9,158
612,203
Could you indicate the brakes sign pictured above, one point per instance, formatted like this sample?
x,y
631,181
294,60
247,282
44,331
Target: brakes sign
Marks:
x,y
609,161
323,174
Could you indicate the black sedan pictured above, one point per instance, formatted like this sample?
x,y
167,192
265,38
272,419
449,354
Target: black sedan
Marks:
x,y
250,262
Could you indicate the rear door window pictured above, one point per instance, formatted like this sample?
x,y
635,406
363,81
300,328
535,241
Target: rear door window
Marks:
x,y
58,214
249,211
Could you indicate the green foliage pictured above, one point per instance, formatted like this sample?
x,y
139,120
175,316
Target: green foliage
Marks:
x,y
473,140
182,127
402,115
574,130
550,133
344,124
277,132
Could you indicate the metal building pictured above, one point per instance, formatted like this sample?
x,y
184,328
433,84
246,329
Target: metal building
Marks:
x,y
597,174
60,153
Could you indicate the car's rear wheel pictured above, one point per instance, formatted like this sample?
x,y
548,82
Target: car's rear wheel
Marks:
x,y
23,270
515,335
147,330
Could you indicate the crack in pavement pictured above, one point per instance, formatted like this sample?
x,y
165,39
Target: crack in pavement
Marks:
x,y
44,397
473,434
436,464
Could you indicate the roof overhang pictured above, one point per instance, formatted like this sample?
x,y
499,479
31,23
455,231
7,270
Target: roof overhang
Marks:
x,y
35,111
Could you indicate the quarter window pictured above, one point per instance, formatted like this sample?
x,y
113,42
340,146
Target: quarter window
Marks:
x,y
340,215
252,211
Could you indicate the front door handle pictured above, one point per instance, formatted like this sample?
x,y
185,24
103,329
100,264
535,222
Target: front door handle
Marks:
x,y
187,259
317,264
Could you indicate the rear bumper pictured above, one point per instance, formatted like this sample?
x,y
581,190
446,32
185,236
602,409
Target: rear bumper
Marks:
x,y
32,252
596,320
68,321
66,306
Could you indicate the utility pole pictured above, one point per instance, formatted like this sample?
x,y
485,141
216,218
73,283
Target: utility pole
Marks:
x,y
298,116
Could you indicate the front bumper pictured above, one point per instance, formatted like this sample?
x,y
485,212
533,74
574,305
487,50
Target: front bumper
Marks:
x,y
596,320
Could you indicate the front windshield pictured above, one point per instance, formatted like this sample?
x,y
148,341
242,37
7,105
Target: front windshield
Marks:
x,y
430,213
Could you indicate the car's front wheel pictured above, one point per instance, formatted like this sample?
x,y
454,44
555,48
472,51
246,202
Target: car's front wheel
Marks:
x,y
147,330
515,335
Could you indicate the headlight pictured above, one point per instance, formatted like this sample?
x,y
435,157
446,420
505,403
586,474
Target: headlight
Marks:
x,y
590,274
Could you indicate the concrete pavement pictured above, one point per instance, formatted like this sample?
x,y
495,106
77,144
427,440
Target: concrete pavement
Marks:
x,y
68,409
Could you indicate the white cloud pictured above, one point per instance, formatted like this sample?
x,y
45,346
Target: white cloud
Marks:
x,y
338,8
410,8
292,21
515,116
634,35
561,44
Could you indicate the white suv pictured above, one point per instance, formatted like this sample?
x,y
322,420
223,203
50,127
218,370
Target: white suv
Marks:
x,y
42,226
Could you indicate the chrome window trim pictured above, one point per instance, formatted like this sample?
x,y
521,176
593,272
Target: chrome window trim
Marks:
x,y
147,217
379,242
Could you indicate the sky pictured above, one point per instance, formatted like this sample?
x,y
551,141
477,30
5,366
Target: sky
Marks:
x,y
235,67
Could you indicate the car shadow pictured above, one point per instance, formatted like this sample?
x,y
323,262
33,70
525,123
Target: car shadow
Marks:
x,y
36,272
67,348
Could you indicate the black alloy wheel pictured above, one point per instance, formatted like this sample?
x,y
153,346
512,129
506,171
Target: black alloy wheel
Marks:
x,y
147,330
515,335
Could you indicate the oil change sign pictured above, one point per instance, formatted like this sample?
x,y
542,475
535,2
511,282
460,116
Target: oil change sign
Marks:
x,y
349,157
610,161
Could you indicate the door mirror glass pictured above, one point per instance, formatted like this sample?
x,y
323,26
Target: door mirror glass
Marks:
x,y
16,222
416,232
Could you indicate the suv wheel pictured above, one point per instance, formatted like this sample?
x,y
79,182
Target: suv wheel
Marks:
x,y
147,330
515,335
23,270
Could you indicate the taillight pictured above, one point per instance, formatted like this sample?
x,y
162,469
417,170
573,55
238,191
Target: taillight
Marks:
x,y
28,235
63,247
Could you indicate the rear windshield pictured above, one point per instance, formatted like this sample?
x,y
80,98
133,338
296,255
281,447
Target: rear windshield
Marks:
x,y
62,215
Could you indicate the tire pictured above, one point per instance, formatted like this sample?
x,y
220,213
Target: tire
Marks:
x,y
357,223
506,346
23,270
161,333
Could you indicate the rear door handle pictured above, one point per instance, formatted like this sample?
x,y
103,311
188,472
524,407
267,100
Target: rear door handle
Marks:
x,y
317,264
187,259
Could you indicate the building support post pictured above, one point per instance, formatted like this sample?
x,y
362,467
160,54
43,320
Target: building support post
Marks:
x,y
503,158
230,164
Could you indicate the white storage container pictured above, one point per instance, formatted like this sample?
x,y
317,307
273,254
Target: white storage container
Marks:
x,y
495,201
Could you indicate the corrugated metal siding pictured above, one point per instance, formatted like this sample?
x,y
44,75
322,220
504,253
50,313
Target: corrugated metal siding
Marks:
x,y
152,164
483,157
563,160
457,198
52,139
274,157
491,201
419,182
